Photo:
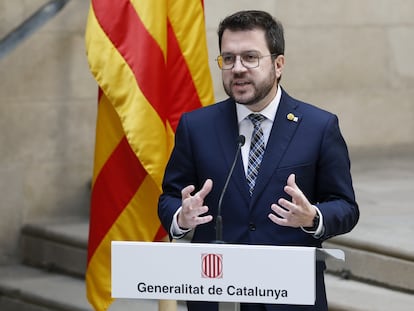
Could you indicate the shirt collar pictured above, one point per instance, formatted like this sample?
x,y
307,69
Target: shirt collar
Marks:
x,y
269,112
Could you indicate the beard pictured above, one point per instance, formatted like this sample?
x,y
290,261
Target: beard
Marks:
x,y
260,91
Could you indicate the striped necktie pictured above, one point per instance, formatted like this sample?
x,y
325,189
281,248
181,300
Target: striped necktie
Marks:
x,y
257,148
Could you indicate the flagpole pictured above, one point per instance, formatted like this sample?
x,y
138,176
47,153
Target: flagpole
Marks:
x,y
167,305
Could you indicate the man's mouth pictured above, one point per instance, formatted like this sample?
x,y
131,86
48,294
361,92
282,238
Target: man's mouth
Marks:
x,y
240,83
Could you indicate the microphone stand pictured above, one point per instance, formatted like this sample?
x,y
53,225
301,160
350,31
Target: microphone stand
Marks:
x,y
219,221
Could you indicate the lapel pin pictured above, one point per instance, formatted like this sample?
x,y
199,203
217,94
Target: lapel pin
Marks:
x,y
292,117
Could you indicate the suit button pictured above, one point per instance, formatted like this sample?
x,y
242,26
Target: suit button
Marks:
x,y
252,227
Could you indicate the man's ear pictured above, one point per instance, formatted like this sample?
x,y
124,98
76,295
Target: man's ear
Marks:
x,y
279,65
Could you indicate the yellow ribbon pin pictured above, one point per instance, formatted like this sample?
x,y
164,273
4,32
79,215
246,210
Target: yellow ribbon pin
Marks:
x,y
291,117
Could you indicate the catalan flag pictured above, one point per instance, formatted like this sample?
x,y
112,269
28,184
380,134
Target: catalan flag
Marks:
x,y
150,60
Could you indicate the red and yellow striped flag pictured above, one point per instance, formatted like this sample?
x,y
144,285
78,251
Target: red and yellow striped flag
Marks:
x,y
150,61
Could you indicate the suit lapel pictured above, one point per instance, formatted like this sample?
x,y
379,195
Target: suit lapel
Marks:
x,y
280,136
227,133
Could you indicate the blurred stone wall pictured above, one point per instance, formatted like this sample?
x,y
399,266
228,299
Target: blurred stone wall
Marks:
x,y
351,57
47,121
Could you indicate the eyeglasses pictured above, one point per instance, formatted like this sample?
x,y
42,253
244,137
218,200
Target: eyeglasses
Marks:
x,y
247,59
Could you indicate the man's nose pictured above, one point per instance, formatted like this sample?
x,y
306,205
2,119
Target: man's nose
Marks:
x,y
238,65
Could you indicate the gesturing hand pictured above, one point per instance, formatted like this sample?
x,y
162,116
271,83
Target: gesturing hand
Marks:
x,y
192,206
298,213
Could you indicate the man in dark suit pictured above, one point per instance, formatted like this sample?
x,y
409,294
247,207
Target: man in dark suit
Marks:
x,y
291,185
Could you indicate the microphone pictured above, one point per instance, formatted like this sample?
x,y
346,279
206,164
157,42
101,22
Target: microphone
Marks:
x,y
219,221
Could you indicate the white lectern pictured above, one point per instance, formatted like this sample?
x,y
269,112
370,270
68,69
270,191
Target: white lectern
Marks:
x,y
216,272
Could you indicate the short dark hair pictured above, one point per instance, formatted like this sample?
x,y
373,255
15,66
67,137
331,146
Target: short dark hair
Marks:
x,y
253,19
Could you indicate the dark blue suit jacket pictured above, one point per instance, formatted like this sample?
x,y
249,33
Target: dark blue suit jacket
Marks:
x,y
312,148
